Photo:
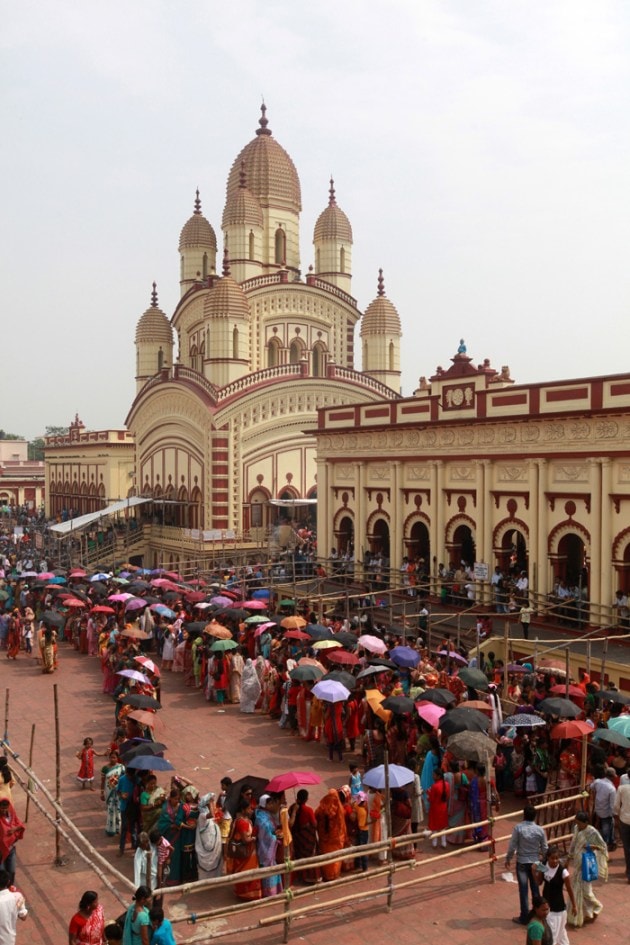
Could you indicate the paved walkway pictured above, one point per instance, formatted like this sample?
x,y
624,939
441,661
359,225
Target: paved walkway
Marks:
x,y
204,744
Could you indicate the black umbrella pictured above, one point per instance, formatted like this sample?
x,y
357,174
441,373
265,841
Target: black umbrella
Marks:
x,y
381,661
238,613
474,678
611,695
463,720
139,747
196,626
52,619
561,708
171,595
98,589
399,705
306,673
140,701
317,631
371,671
345,638
340,675
233,795
441,697
138,586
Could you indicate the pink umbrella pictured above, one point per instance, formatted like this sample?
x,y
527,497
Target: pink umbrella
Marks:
x,y
263,626
373,644
148,664
292,779
120,598
430,713
251,604
136,604
46,576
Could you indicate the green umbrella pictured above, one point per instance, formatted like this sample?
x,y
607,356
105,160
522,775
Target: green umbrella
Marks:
x,y
474,678
306,673
4,595
220,645
257,619
286,603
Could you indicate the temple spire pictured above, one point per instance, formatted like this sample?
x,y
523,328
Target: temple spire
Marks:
x,y
197,209
154,296
331,193
242,176
381,284
226,262
263,121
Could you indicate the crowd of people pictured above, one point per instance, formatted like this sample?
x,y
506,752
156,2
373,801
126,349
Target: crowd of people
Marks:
x,y
351,685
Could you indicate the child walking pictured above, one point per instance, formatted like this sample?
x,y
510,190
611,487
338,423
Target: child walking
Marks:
x,y
86,769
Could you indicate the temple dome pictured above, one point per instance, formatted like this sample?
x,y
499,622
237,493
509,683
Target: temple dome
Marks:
x,y
197,231
241,207
154,325
271,174
381,316
332,223
226,298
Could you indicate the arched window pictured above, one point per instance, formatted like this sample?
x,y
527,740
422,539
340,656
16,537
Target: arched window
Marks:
x,y
181,268
273,352
281,247
295,351
317,261
160,359
204,265
391,356
235,353
319,360
342,260
251,244
194,358
364,365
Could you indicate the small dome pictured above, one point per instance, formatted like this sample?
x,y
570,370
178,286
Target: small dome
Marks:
x,y
197,232
241,207
226,298
332,223
381,317
271,174
154,324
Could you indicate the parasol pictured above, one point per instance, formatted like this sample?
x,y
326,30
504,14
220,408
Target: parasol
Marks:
x,y
330,691
134,633
441,697
148,664
399,705
372,643
612,695
317,631
74,602
150,763
371,671
453,655
562,708
612,736
375,700
134,674
296,635
140,701
398,777
405,656
620,724
523,720
342,656
218,630
102,609
292,779
120,598
145,717
136,603
340,675
474,678
571,729
220,646
254,605
140,747
430,713
53,619
306,673
320,644
257,785
472,746
459,720
293,623
477,704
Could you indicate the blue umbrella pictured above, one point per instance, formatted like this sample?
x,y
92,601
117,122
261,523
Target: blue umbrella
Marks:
x,y
57,580
150,763
164,611
101,576
261,594
318,632
404,656
399,776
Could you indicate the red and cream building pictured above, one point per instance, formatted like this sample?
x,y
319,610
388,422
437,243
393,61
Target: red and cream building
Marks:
x,y
475,467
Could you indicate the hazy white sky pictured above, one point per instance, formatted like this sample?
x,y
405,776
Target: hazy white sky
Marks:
x,y
479,147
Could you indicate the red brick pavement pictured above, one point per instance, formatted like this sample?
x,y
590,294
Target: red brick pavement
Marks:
x,y
204,744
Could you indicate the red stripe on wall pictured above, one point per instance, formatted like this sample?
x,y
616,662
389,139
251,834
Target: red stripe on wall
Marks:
x,y
570,393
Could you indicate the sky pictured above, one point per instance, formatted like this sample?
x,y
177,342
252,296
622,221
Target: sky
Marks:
x,y
479,148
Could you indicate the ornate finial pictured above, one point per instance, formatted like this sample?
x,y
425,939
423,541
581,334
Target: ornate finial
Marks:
x,y
381,284
197,202
462,347
242,177
226,262
331,193
154,298
263,121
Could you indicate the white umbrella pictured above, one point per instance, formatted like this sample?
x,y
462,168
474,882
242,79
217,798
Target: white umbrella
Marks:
x,y
328,690
373,644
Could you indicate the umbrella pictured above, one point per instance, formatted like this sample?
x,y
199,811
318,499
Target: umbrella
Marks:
x,y
430,713
254,605
46,575
134,633
405,656
150,763
74,602
571,729
311,661
120,598
293,623
137,587
258,618
574,692
163,611
472,746
375,700
441,697
474,678
144,717
53,619
287,602
387,664
121,580
100,576
133,674
292,779
620,724
140,701
458,720
331,691
235,614
340,675
58,580
102,609
342,656
399,705
220,646
371,671
218,630
4,595
137,603
524,720
195,627
194,597
562,708
398,777
317,631
611,695
345,638
75,573
258,787
453,655
320,644
261,594
306,673
477,704
222,601
296,635
148,664
612,736
371,643
98,589
140,747
517,668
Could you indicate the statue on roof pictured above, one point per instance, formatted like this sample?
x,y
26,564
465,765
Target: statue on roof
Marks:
x,y
462,347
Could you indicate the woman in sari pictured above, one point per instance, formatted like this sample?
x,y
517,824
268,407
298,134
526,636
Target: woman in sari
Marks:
x,y
169,824
482,798
208,840
87,925
587,906
431,764
47,646
457,802
267,840
331,829
250,688
237,664
401,823
15,635
304,830
240,852
109,663
110,774
137,929
188,833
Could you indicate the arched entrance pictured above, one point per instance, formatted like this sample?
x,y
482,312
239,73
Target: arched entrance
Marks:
x,y
345,536
570,561
513,555
419,543
380,538
462,547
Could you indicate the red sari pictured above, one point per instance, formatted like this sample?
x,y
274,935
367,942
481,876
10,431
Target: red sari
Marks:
x,y
243,832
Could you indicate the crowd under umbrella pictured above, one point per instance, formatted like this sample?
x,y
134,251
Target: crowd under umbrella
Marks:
x,y
560,708
383,663
573,728
346,638
306,674
297,635
474,678
458,720
342,656
371,671
574,692
217,630
399,705
442,697
331,691
472,746
430,713
134,674
372,643
518,669
220,646
150,763
140,746
141,701
477,704
453,655
523,720
612,695
148,665
291,779
233,794
612,736
53,619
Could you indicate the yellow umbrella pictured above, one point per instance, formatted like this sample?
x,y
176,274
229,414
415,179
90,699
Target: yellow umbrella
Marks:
x,y
293,623
325,645
374,699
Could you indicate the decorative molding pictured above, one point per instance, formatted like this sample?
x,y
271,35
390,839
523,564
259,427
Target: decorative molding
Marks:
x,y
449,493
585,497
497,495
512,473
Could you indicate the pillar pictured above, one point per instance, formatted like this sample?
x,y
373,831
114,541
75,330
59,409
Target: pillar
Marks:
x,y
325,510
396,525
609,578
359,512
437,501
535,564
595,575
543,525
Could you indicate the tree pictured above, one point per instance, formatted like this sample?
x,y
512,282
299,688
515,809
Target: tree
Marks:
x,y
36,446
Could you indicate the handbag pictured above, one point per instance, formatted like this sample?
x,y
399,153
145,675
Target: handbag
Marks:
x,y
238,849
590,871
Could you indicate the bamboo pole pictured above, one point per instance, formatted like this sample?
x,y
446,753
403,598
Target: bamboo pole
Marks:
x,y
6,715
602,680
30,764
567,656
58,860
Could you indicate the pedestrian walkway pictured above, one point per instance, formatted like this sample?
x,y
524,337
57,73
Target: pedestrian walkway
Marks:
x,y
206,742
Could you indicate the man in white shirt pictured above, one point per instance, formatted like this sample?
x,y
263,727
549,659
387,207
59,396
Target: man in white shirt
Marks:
x,y
12,908
622,811
603,793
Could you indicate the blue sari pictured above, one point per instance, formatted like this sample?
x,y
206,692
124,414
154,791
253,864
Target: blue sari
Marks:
x,y
267,848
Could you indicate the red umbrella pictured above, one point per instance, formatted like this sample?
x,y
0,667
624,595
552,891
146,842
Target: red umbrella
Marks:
x,y
254,604
145,717
102,609
296,635
575,693
292,779
342,656
194,597
572,729
74,602
148,664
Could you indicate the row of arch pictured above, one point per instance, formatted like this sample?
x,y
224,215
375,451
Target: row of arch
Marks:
x,y
82,498
297,351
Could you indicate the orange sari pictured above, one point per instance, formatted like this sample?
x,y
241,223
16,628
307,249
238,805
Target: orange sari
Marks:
x,y
331,829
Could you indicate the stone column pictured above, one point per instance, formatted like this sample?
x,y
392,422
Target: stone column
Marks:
x,y
543,524
360,543
533,521
325,510
595,564
608,584
437,515
396,512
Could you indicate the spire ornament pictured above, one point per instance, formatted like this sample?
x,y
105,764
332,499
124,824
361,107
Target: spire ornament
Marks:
x,y
381,284
197,209
226,262
154,296
263,121
332,202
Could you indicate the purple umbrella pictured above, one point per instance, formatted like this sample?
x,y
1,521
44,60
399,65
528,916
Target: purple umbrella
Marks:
x,y
222,601
136,604
133,674
120,598
404,656
452,655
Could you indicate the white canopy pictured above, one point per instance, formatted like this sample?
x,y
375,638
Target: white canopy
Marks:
x,y
82,521
291,503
